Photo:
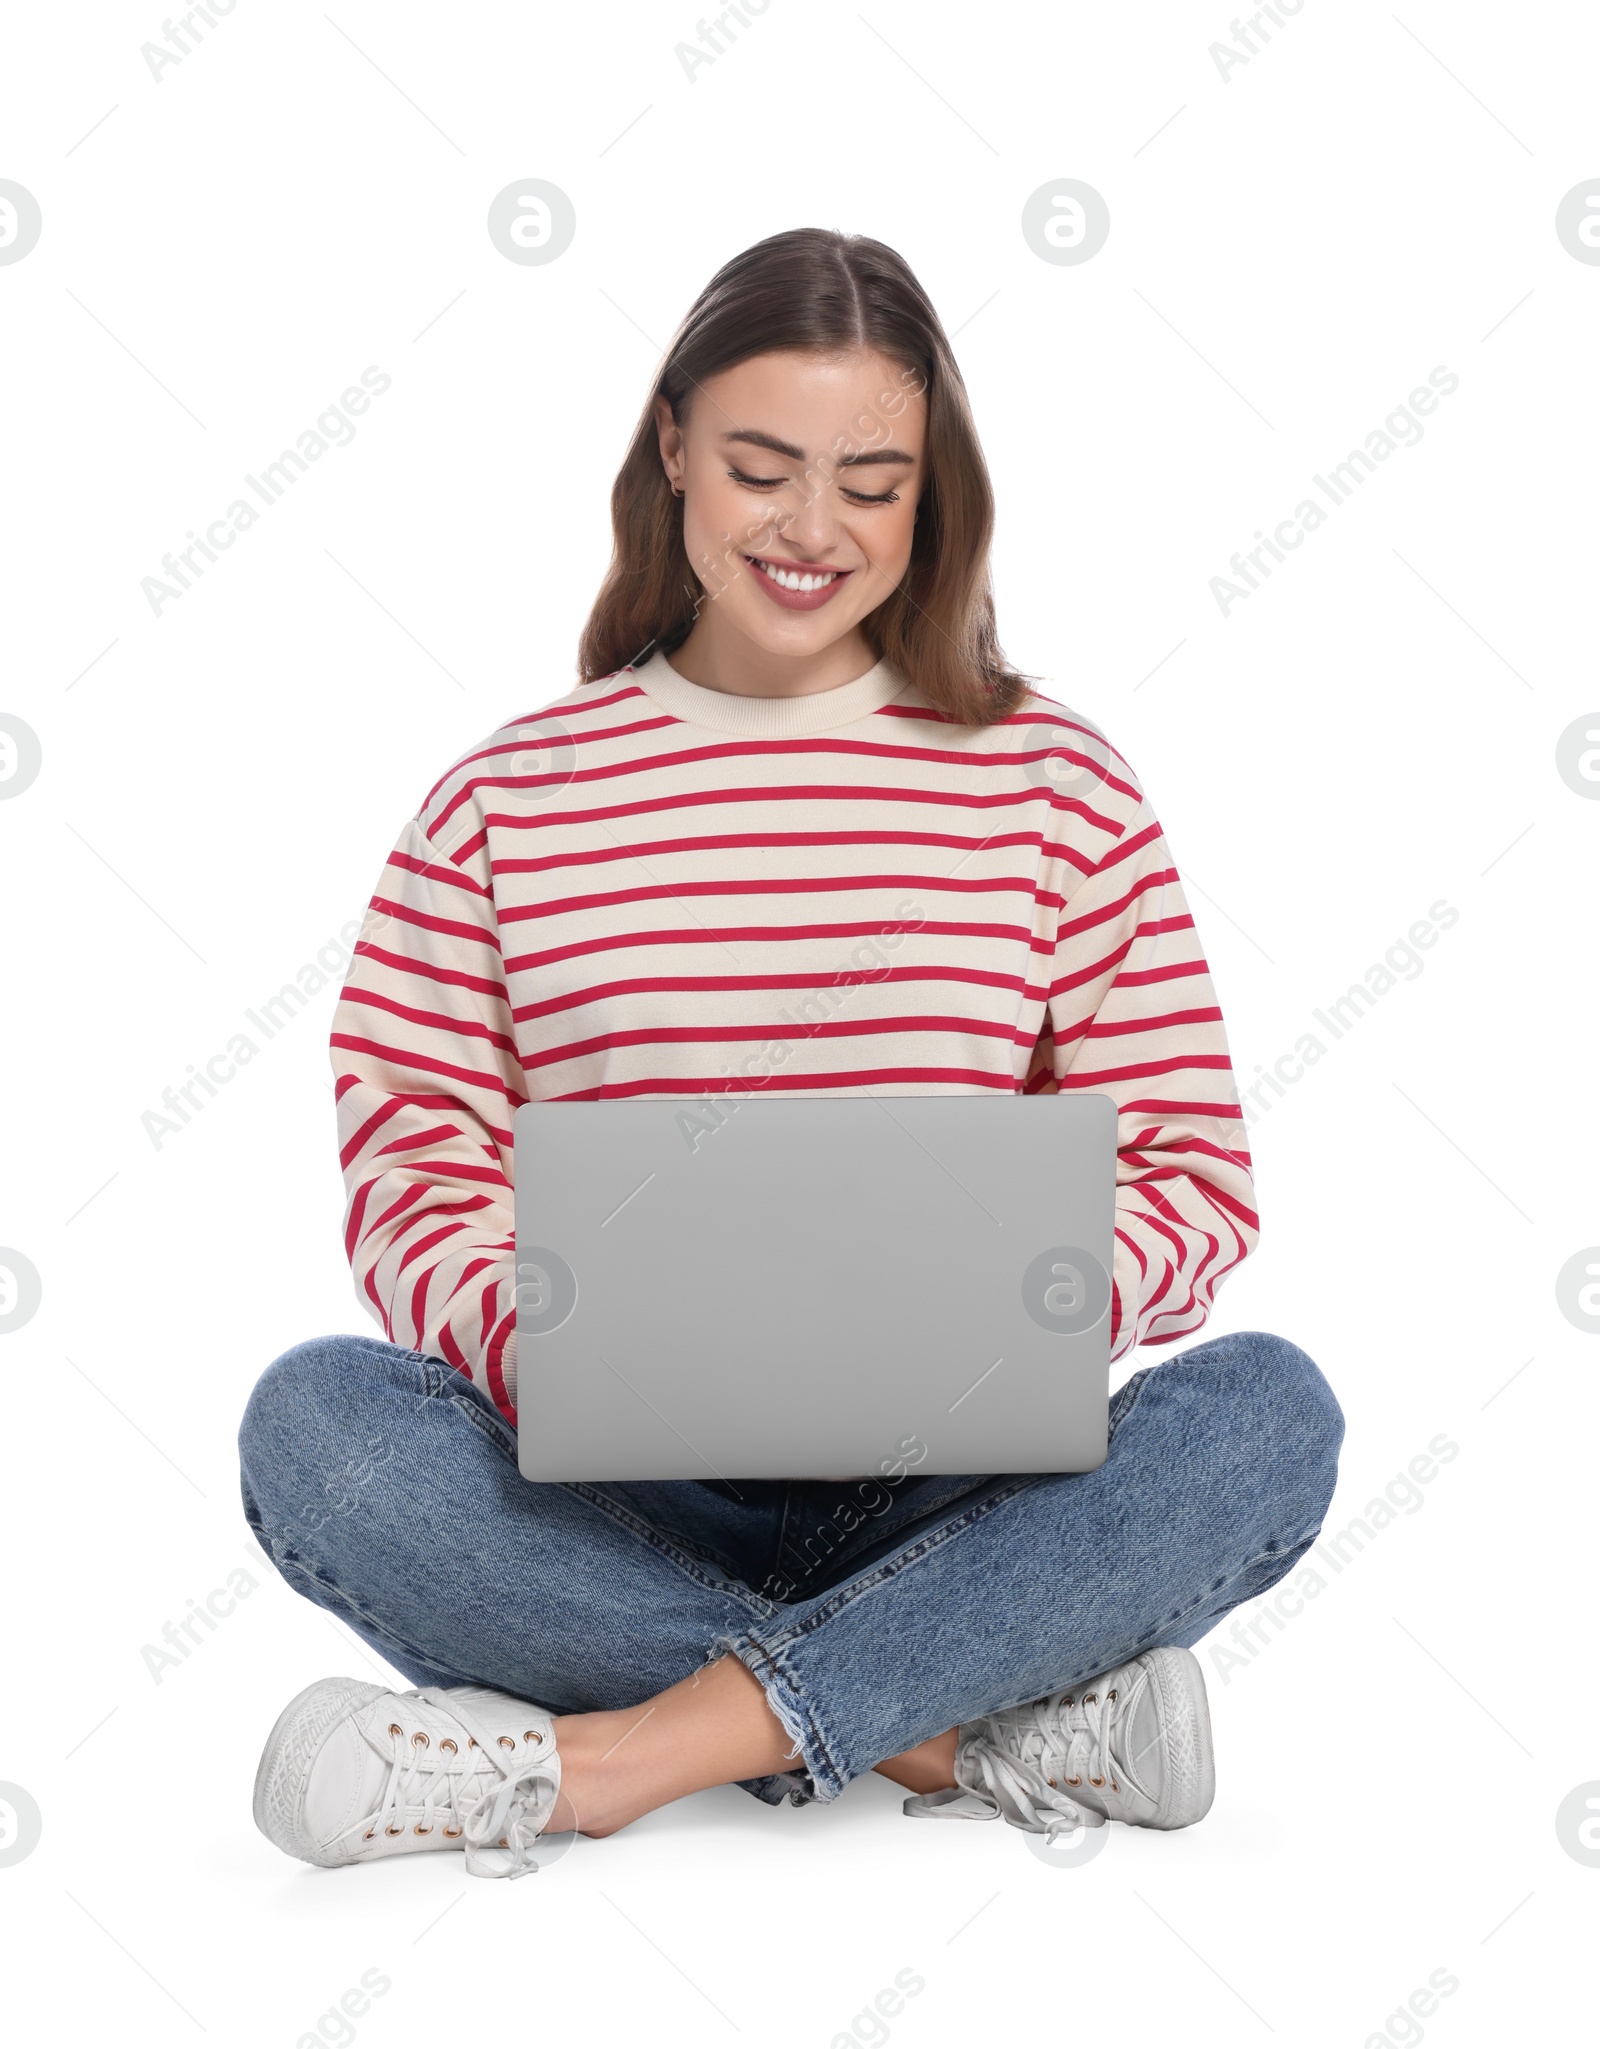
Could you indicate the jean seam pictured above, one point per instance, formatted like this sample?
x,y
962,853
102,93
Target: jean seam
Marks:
x,y
1152,1637
492,1426
1127,1398
801,1721
804,1711
708,1554
1296,1546
840,1598
892,1567
441,1382
733,1587
775,1570
300,1575
902,1513
294,1567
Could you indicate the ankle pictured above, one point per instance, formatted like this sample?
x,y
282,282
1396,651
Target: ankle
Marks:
x,y
597,1796
710,1728
928,1767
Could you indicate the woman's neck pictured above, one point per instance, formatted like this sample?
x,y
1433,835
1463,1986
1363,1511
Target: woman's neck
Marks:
x,y
735,664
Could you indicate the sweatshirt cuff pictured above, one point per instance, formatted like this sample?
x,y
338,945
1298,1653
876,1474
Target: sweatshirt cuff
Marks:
x,y
508,1370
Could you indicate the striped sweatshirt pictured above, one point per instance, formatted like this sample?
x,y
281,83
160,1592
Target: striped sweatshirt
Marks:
x,y
651,888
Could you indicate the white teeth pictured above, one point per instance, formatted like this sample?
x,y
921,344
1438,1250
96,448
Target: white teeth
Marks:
x,y
792,580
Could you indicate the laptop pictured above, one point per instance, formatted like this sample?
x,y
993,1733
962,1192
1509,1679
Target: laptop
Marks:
x,y
797,1287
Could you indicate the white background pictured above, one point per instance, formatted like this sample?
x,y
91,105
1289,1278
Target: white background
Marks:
x,y
1291,252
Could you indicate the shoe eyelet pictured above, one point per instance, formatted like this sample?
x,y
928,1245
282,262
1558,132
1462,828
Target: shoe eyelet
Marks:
x,y
1075,1781
1112,1694
1049,1782
420,1738
508,1743
1070,1701
1097,1782
533,1736
1089,1698
448,1743
371,1832
503,1844
419,1830
395,1729
1115,1787
472,1742
394,1831
454,1831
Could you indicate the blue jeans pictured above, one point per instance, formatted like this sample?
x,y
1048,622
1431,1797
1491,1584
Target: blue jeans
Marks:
x,y
384,1487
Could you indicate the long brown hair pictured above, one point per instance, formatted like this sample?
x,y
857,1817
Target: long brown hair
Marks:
x,y
816,290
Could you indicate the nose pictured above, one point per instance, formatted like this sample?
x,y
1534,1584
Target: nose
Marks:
x,y
810,526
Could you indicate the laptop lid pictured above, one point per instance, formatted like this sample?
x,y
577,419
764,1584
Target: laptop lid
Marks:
x,y
799,1286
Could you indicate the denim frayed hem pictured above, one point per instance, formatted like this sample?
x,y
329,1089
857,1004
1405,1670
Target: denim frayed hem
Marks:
x,y
778,1787
816,1776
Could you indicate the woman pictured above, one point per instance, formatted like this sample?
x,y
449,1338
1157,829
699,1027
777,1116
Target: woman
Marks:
x,y
795,730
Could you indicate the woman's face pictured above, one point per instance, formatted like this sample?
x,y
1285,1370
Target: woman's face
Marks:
x,y
800,475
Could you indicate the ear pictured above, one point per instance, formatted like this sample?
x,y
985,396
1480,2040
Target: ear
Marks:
x,y
669,438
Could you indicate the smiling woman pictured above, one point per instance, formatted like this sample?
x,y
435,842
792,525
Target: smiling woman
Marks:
x,y
798,828
804,494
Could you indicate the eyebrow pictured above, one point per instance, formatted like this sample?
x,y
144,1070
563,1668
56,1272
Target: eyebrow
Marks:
x,y
756,439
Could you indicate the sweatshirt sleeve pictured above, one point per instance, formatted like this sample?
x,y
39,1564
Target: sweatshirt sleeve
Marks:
x,y
427,1080
1133,1015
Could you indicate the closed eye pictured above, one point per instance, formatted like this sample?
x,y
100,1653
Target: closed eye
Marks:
x,y
859,497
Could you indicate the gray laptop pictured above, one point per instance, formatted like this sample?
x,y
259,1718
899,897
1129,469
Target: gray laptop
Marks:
x,y
801,1286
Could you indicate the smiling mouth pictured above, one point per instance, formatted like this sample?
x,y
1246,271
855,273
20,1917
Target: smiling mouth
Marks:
x,y
795,588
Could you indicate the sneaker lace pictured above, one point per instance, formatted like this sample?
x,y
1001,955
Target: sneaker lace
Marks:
x,y
493,1797
1030,1759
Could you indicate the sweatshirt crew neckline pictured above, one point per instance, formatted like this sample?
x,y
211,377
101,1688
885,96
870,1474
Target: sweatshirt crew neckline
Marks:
x,y
767,718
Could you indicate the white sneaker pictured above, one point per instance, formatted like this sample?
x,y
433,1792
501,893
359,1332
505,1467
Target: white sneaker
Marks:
x,y
352,1772
1133,1745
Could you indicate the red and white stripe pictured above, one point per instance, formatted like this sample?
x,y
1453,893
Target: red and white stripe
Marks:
x,y
667,906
